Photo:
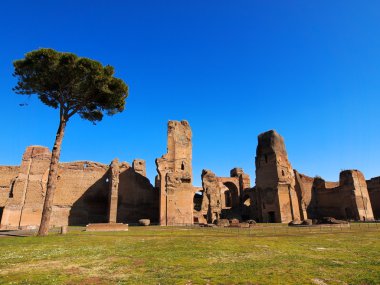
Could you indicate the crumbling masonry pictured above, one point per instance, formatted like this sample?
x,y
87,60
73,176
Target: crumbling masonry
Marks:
x,y
174,180
90,192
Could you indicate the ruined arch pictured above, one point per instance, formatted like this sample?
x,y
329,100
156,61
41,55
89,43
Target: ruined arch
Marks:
x,y
231,195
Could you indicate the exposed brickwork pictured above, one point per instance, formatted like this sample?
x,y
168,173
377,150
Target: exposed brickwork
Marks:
x,y
275,181
114,190
83,193
175,176
91,192
347,199
374,194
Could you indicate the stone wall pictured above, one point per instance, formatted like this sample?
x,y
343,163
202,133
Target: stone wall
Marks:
x,y
139,166
224,197
304,188
7,176
275,181
138,199
175,176
82,195
374,194
24,207
346,199
212,196
354,184
91,192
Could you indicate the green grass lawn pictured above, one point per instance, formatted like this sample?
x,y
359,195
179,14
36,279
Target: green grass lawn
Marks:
x,y
159,255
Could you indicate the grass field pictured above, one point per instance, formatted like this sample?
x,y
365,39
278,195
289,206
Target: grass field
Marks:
x,y
157,255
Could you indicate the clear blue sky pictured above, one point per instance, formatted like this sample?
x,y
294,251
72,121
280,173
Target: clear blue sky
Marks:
x,y
233,69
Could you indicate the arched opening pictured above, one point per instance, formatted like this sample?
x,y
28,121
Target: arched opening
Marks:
x,y
197,201
199,216
231,195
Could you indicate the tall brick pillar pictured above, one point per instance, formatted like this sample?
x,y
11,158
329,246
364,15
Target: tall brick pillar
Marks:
x,y
113,190
275,180
175,176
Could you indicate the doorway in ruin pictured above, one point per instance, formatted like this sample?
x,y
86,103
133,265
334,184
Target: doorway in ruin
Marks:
x,y
197,200
230,201
199,216
231,195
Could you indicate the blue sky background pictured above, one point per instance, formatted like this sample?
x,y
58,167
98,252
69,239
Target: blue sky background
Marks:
x,y
233,69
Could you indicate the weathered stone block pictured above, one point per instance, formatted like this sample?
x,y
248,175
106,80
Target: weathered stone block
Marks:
x,y
144,222
223,223
107,227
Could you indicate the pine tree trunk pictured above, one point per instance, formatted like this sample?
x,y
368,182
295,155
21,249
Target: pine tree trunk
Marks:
x,y
52,180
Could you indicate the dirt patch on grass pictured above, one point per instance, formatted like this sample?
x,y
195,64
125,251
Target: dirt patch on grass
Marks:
x,y
90,281
318,281
138,262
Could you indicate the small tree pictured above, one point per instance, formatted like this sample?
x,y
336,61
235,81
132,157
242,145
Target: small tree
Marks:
x,y
74,85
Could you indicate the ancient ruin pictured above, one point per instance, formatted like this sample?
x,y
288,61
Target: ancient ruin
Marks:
x,y
347,199
212,196
114,191
87,192
95,193
275,183
175,176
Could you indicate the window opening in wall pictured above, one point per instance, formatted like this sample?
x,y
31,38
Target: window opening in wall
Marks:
x,y
85,165
197,201
107,180
1,212
183,166
283,173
